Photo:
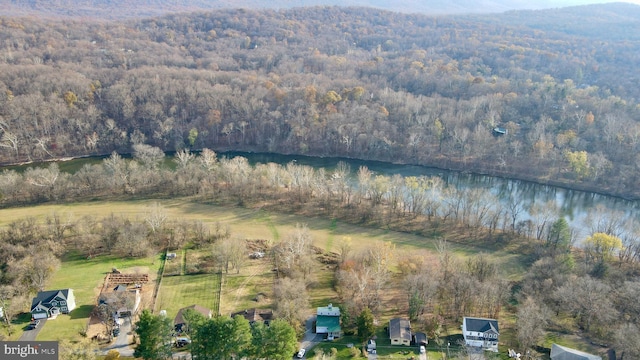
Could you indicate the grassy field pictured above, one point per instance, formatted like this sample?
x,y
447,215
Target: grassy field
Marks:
x,y
86,277
239,291
252,287
327,234
177,292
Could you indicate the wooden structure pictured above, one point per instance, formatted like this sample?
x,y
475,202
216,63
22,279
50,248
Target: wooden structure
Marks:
x,y
126,279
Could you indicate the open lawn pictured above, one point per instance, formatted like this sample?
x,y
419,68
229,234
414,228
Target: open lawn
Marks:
x,y
177,292
239,291
86,278
327,234
251,288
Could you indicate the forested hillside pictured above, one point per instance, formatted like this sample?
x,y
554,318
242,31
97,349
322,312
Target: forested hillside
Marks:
x,y
329,81
120,9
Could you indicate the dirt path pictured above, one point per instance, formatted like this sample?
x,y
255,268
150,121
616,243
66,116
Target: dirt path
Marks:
x,y
242,286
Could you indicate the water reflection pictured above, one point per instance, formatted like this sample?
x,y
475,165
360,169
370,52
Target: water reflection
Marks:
x,y
574,205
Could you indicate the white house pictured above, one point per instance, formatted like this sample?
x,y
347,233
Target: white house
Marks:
x,y
480,333
328,321
400,331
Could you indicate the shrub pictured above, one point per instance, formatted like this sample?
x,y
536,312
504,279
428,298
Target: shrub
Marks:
x,y
354,352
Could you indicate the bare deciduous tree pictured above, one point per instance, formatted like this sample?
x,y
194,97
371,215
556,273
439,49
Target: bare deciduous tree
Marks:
x,y
532,319
291,301
230,252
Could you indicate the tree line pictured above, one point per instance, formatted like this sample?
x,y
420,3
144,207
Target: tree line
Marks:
x,y
331,81
360,195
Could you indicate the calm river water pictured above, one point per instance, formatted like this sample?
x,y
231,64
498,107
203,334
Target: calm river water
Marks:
x,y
574,205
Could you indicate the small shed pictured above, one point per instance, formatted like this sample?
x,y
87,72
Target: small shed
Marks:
x,y
420,338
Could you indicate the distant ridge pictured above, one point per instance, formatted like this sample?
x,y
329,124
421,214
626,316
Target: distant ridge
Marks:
x,y
121,9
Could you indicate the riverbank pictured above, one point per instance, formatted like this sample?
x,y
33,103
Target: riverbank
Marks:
x,y
437,164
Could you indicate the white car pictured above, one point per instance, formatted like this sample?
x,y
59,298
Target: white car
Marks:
x,y
182,341
301,353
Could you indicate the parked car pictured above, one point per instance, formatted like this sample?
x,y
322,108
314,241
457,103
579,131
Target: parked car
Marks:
x,y
33,325
301,353
182,341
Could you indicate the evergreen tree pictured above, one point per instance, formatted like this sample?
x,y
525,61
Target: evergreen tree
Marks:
x,y
366,328
275,342
221,338
559,239
154,332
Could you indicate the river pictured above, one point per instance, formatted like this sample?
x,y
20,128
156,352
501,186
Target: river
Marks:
x,y
574,205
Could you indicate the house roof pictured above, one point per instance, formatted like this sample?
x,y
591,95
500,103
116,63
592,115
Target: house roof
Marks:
x,y
400,328
332,323
255,314
481,324
564,353
44,297
179,319
328,310
421,338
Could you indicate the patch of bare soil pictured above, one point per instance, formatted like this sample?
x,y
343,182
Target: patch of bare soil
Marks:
x,y
260,245
95,328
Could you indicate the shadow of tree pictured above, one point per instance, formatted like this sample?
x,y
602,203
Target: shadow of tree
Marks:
x,y
81,312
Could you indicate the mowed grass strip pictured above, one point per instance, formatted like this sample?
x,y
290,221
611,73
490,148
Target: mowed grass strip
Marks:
x,y
252,287
86,278
177,292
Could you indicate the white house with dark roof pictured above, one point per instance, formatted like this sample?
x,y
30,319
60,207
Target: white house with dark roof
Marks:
x,y
481,333
564,353
400,331
51,303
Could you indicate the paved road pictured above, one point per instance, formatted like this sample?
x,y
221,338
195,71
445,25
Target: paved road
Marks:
x,y
122,341
310,338
30,335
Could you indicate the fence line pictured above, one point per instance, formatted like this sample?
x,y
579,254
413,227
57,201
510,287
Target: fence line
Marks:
x,y
156,289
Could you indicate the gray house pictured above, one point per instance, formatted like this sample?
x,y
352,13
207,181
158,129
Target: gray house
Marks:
x,y
52,303
564,353
400,331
